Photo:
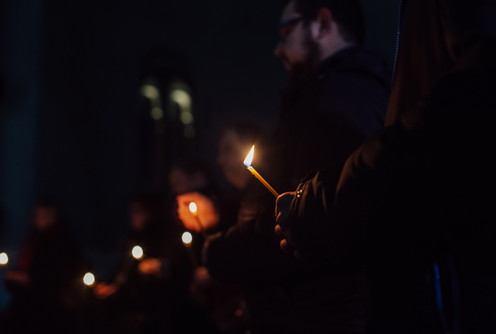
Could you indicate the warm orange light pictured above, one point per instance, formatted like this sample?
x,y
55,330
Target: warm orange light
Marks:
x,y
137,252
89,279
187,239
249,157
193,208
248,161
4,259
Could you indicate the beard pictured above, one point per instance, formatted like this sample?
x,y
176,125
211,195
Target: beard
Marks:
x,y
301,70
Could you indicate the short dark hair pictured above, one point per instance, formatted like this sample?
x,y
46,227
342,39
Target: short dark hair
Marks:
x,y
347,14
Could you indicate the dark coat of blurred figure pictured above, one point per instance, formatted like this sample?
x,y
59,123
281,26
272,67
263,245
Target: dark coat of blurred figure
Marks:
x,y
147,288
192,180
416,202
335,99
223,301
42,284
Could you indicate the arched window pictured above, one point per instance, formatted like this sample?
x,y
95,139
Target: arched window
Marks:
x,y
170,129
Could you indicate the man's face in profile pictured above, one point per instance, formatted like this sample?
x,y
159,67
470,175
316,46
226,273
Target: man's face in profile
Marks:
x,y
296,48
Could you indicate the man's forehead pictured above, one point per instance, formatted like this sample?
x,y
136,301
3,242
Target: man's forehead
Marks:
x,y
289,11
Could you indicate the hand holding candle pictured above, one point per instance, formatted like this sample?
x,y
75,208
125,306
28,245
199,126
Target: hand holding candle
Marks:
x,y
148,266
248,161
18,277
197,212
193,208
103,291
283,206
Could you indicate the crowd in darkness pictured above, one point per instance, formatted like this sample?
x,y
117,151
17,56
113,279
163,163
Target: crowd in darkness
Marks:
x,y
384,225
162,289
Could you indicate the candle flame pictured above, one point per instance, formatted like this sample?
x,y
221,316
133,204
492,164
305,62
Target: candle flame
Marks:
x,y
249,157
4,259
89,279
137,252
193,208
187,238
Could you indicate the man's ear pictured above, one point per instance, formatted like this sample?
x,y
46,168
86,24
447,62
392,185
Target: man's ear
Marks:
x,y
325,22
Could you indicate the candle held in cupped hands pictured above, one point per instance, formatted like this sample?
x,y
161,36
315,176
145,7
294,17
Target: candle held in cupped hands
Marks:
x,y
148,265
193,208
197,212
248,161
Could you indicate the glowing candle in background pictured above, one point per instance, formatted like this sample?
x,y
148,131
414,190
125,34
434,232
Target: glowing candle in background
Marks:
x,y
137,252
4,259
187,239
248,161
193,208
89,279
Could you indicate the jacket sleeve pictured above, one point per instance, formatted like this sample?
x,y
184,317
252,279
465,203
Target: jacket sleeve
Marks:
x,y
329,224
249,250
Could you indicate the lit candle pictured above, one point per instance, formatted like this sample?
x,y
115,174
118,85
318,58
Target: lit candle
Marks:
x,y
89,279
248,161
187,239
193,208
137,252
4,259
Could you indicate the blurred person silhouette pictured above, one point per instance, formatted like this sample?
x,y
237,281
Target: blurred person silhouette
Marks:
x,y
224,301
415,203
235,142
194,176
148,281
48,264
335,98
190,175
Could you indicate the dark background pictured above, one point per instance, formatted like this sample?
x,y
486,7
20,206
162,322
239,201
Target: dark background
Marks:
x,y
74,126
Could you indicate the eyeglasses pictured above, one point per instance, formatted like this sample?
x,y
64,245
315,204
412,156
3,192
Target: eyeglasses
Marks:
x,y
286,27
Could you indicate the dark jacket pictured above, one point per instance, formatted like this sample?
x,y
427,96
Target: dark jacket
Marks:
x,y
53,264
324,118
145,293
417,196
